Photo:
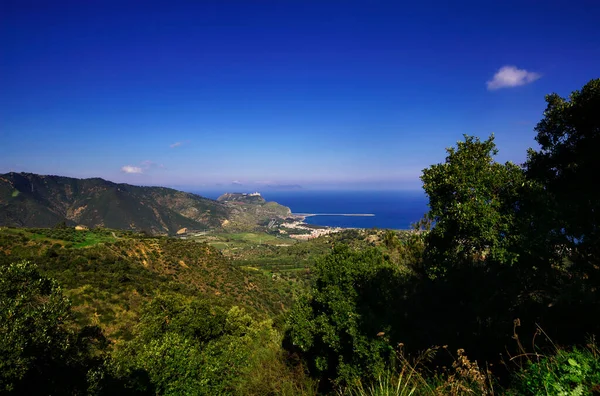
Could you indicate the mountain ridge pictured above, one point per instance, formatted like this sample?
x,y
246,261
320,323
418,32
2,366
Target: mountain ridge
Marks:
x,y
32,200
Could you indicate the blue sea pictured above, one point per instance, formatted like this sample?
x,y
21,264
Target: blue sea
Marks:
x,y
392,209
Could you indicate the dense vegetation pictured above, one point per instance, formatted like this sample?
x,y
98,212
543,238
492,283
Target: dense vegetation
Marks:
x,y
496,291
501,262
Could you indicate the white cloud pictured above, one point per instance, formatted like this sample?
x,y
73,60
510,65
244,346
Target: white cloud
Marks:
x,y
510,76
176,144
237,182
131,169
144,167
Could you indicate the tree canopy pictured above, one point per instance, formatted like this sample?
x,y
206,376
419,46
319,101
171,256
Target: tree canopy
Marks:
x,y
567,166
473,202
41,350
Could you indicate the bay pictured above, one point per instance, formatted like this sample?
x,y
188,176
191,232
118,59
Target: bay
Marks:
x,y
391,209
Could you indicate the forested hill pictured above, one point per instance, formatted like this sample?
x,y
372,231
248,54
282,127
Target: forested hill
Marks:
x,y
31,200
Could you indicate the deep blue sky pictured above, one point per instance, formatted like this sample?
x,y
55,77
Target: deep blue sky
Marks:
x,y
324,94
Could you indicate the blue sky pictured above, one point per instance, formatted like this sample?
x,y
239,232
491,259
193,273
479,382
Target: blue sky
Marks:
x,y
259,94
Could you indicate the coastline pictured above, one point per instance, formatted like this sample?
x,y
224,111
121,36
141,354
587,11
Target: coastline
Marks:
x,y
311,231
391,209
336,214
314,231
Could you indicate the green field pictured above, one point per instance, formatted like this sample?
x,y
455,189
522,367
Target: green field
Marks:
x,y
232,244
65,236
92,239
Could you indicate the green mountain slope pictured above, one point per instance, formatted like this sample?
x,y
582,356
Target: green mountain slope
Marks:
x,y
30,200
108,274
247,210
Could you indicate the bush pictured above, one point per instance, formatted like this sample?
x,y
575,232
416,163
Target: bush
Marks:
x,y
339,329
41,351
190,346
567,372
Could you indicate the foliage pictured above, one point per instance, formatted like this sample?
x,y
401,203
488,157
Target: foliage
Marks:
x,y
567,372
195,347
41,350
109,281
473,202
567,163
411,376
566,168
78,238
488,259
472,277
336,328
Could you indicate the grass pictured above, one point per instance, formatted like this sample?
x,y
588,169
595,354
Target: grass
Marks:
x,y
414,377
92,239
219,245
261,238
81,239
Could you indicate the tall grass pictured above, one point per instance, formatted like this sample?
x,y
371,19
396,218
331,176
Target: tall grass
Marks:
x,y
412,378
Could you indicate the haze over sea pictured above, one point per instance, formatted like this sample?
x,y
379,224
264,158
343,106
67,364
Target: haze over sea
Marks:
x,y
392,209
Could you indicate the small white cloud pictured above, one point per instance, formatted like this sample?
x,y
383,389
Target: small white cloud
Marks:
x,y
510,76
237,182
176,144
131,169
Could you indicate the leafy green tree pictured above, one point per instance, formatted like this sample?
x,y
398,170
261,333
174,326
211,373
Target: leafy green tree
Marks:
x,y
390,239
567,166
41,350
478,272
565,218
473,203
192,347
513,243
196,318
340,329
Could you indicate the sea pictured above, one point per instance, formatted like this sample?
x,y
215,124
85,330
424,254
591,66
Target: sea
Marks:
x,y
391,209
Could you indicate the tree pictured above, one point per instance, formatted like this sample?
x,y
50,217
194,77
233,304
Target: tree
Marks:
x,y
473,203
567,166
477,276
341,329
191,346
41,351
566,220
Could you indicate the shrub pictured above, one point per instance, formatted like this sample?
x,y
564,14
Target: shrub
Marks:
x,y
567,372
41,351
